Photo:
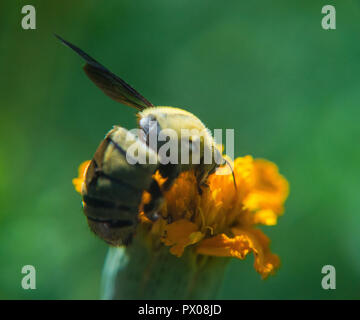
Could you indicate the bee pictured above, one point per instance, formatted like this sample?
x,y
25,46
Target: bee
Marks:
x,y
113,187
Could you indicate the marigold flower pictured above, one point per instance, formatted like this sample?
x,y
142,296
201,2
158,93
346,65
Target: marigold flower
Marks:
x,y
223,220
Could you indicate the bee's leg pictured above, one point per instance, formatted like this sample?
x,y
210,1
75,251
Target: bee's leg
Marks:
x,y
171,172
169,219
128,240
150,208
202,175
202,186
201,178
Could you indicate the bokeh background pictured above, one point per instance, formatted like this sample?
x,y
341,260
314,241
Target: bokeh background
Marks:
x,y
290,89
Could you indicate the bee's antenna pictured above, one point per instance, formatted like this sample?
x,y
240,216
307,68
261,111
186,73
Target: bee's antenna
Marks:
x,y
232,172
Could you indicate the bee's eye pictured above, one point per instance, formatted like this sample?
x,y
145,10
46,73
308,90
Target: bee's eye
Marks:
x,y
150,128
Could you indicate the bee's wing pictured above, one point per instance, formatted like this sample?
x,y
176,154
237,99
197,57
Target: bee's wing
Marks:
x,y
108,82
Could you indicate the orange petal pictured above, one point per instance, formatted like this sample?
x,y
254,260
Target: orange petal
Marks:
x,y
239,246
181,234
223,246
143,218
269,188
78,182
266,217
265,262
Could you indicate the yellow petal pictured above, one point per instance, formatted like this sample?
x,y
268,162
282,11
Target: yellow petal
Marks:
x,y
265,262
266,217
78,182
181,234
239,246
223,246
271,188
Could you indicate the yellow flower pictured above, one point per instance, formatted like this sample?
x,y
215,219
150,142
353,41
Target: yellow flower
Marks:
x,y
223,220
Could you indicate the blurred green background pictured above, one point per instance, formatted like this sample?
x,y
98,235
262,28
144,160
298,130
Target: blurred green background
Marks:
x,y
289,88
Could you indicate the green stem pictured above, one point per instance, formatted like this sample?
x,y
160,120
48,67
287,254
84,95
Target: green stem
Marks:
x,y
144,272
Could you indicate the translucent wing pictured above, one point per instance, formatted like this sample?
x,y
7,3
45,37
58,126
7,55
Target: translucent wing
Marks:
x,y
108,82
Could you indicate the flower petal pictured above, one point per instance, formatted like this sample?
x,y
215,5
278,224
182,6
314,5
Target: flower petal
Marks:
x,y
270,189
265,262
223,246
181,234
266,217
78,182
239,246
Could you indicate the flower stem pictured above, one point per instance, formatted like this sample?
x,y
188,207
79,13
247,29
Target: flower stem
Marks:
x,y
152,272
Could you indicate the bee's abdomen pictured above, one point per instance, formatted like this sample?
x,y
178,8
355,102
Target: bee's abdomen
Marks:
x,y
114,187
101,204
